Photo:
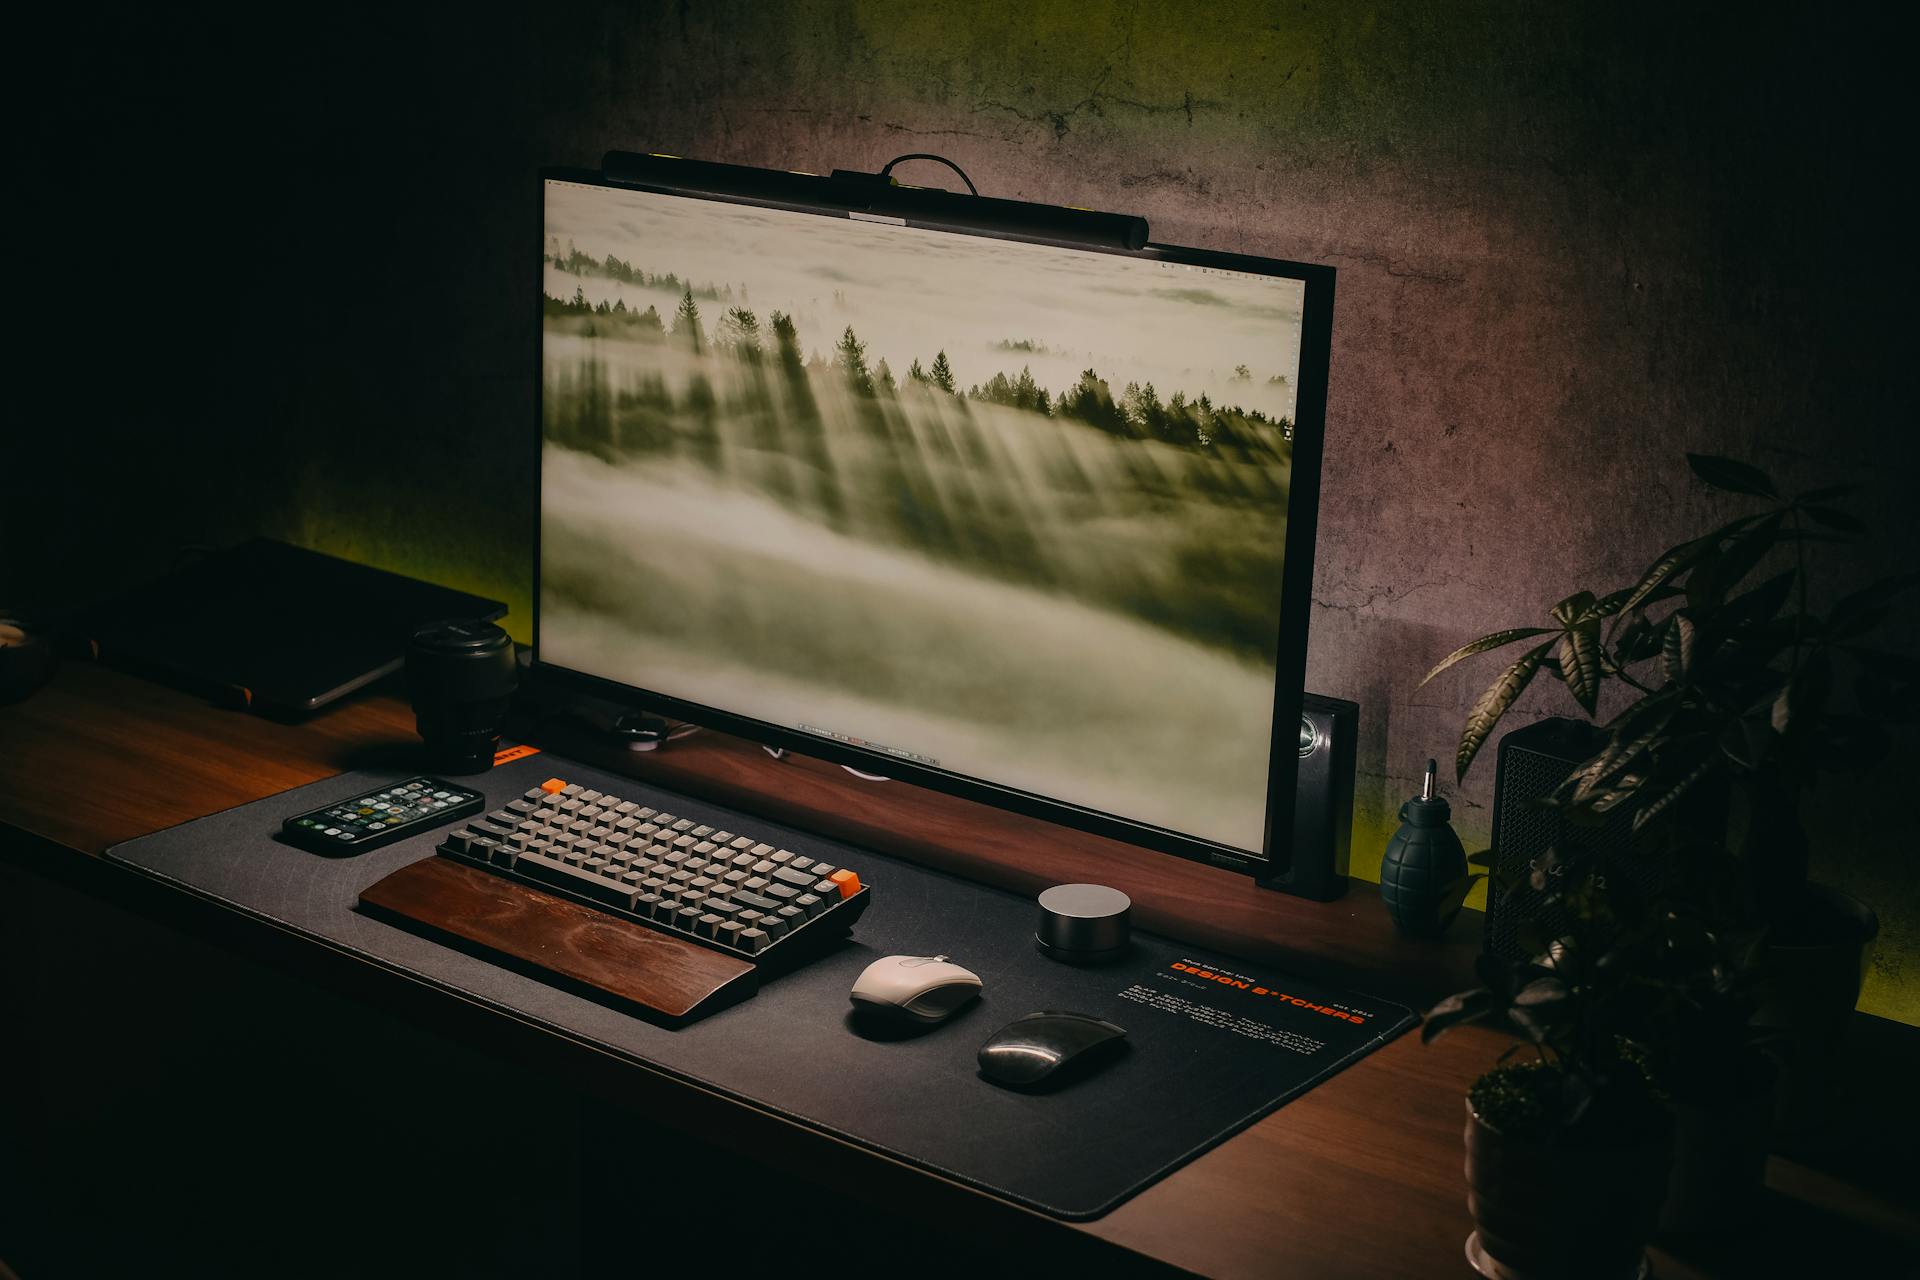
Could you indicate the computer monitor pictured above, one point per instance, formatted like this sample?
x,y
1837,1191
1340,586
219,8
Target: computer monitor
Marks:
x,y
1026,522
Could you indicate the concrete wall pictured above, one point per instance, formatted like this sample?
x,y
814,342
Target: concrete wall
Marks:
x,y
1574,242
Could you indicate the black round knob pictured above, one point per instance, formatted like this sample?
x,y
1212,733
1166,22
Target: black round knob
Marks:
x,y
1084,923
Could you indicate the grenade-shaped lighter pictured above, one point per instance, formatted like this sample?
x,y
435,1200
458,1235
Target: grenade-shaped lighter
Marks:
x,y
1424,867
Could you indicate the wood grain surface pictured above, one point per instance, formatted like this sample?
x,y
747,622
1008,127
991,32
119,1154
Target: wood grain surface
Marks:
x,y
670,979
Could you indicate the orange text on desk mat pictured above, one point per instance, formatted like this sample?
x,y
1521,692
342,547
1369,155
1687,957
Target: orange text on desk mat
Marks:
x,y
1238,983
507,755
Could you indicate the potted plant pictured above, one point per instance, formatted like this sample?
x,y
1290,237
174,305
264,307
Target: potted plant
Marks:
x,y
1733,679
1568,1150
1734,697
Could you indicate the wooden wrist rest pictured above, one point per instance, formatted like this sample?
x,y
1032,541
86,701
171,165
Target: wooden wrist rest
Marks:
x,y
645,971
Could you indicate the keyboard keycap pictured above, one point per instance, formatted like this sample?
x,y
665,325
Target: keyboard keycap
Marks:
x,y
811,903
754,941
798,879
755,901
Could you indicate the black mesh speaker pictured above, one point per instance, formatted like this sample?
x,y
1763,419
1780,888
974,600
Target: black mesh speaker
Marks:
x,y
1533,761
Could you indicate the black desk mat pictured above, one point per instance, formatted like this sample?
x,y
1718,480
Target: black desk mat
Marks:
x,y
1214,1043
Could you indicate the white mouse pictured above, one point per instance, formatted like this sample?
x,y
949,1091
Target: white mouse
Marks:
x,y
923,988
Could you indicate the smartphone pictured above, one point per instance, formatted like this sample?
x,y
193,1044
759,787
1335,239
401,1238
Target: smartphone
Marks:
x,y
381,817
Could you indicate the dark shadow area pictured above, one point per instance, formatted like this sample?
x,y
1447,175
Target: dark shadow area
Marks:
x,y
173,1109
885,1028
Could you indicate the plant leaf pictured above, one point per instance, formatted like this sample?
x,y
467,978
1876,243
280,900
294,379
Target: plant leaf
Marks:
x,y
1747,740
1732,476
1608,605
1613,797
1540,993
1875,595
1759,604
1580,663
1720,572
1573,607
1835,518
1648,812
1828,493
1498,640
1660,571
1621,752
1493,704
1677,651
1466,1006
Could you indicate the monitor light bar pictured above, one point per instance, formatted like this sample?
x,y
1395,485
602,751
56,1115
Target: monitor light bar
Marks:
x,y
876,197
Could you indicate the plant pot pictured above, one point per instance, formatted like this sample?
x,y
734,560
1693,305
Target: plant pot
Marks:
x,y
1719,1155
1544,1211
1810,982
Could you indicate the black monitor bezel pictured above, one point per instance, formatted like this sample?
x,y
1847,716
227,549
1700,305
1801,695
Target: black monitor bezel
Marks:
x,y
1275,859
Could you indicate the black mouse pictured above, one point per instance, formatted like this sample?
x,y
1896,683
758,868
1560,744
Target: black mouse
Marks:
x,y
1043,1050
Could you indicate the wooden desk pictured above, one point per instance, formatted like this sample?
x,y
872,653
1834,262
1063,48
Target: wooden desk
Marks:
x,y
1359,1177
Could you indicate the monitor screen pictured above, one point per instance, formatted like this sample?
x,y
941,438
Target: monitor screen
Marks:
x,y
1007,514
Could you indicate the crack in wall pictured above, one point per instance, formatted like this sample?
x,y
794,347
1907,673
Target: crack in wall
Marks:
x,y
1061,119
1397,268
1387,593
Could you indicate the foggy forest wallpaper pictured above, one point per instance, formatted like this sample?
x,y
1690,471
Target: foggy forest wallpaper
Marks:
x,y
1013,511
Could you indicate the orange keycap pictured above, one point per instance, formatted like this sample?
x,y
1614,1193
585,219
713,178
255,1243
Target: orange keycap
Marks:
x,y
553,786
849,882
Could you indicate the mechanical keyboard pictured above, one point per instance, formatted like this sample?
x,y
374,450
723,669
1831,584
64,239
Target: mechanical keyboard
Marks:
x,y
729,891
